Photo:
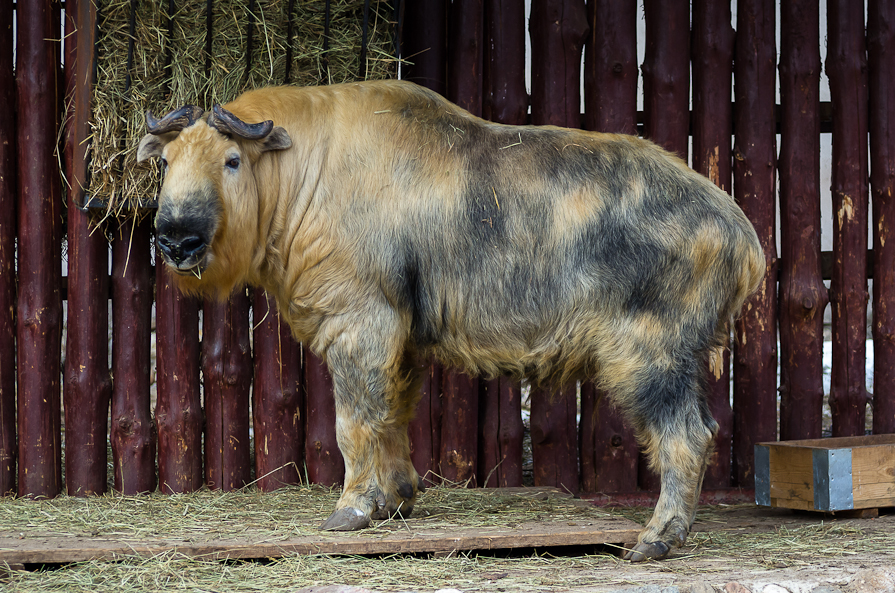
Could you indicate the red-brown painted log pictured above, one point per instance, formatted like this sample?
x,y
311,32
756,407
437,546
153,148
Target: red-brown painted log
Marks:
x,y
39,320
500,434
755,349
88,386
278,399
8,447
558,29
133,435
712,124
459,428
881,58
178,411
322,455
610,67
554,442
425,43
505,99
607,448
847,68
666,75
425,436
803,296
227,375
465,54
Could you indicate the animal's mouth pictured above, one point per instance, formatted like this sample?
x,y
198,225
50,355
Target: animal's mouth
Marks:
x,y
184,254
193,267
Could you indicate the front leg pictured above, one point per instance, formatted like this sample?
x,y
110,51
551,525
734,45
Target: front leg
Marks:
x,y
376,390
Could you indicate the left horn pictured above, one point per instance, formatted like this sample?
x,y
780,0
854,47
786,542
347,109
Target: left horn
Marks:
x,y
227,123
174,121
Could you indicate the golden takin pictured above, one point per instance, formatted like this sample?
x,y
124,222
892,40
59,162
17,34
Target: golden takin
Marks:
x,y
391,225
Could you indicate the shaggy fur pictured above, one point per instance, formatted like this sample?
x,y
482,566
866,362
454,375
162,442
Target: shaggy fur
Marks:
x,y
398,226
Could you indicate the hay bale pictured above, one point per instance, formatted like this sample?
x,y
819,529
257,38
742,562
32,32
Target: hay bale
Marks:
x,y
124,90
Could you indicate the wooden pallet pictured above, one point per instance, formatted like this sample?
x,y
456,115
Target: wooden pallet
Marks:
x,y
411,536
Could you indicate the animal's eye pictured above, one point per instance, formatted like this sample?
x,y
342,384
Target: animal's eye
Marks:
x,y
233,163
164,163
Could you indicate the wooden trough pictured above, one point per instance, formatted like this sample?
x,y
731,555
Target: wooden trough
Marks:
x,y
837,474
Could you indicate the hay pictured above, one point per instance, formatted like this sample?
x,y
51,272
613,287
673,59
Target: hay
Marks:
x,y
123,93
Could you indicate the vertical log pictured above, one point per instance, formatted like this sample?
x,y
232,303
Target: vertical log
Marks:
x,y
554,452
803,296
322,455
465,54
425,43
500,434
88,385
712,124
666,75
755,362
847,67
133,431
558,30
178,411
39,321
505,99
8,450
666,110
607,448
425,47
227,373
425,438
881,54
278,399
459,428
460,394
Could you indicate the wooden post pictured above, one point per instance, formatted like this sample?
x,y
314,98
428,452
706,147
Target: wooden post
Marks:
x,y
553,438
504,98
803,296
88,385
465,54
8,447
666,75
666,112
607,448
227,373
755,350
425,43
425,47
278,399
558,30
178,411
712,125
881,54
847,68
500,434
133,435
322,455
39,321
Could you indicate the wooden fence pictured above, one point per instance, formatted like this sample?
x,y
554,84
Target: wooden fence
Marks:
x,y
473,51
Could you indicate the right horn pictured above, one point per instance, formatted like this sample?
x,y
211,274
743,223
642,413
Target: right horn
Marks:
x,y
175,121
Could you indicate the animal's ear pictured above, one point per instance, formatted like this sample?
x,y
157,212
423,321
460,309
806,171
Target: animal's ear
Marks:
x,y
278,139
152,145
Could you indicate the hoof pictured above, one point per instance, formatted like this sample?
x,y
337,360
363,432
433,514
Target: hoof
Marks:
x,y
648,551
347,519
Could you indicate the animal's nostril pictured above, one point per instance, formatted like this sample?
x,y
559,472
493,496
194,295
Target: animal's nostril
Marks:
x,y
191,245
167,245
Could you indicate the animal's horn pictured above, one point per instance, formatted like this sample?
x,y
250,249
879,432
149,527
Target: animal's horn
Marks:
x,y
227,123
175,121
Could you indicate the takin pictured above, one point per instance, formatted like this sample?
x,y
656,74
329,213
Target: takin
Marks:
x,y
391,225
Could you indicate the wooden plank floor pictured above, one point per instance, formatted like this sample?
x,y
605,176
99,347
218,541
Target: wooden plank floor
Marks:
x,y
38,546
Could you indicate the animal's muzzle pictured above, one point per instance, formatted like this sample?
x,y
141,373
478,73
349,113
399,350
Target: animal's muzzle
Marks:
x,y
180,249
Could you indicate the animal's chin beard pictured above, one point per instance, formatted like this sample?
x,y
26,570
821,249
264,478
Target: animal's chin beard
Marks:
x,y
194,271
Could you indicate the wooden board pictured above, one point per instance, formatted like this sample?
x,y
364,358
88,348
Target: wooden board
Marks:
x,y
837,474
15,549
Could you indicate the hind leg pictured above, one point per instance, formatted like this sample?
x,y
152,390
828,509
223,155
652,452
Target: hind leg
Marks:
x,y
677,431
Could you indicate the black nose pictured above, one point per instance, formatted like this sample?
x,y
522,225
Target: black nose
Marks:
x,y
180,249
